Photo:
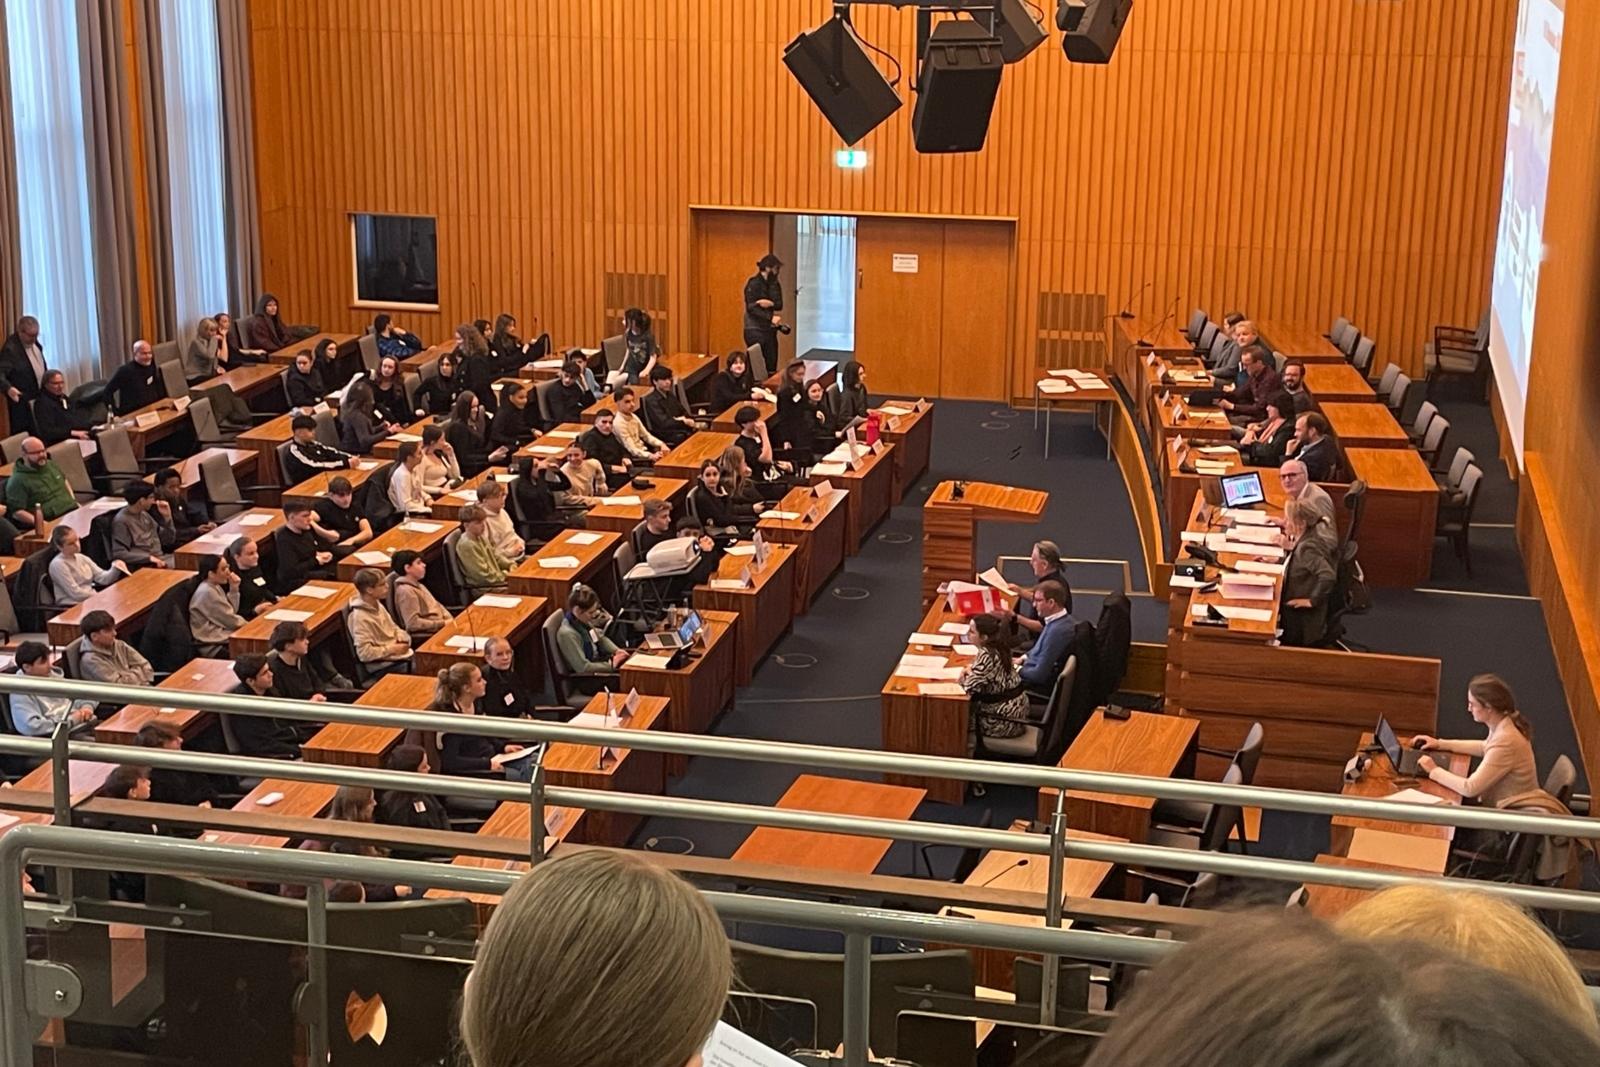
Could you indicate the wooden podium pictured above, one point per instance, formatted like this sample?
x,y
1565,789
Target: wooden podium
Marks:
x,y
949,527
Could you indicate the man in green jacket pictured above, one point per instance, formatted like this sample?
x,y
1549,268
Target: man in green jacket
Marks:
x,y
37,490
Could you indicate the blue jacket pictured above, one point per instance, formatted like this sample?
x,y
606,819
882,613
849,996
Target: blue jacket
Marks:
x,y
1049,651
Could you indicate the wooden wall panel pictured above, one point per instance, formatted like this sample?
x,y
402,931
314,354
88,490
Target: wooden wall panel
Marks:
x,y
1300,159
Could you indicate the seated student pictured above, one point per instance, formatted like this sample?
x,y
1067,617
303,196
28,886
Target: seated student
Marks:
x,y
204,357
142,533
568,399
745,503
36,715
439,471
772,476
400,807
1045,561
294,676
438,393
994,684
260,735
1506,766
474,364
168,786
37,490
459,688
849,403
502,531
420,611
816,416
507,350
515,423
664,412
642,349
709,500
483,565
469,437
641,445
105,657
308,457
382,645
584,648
137,383
214,608
1044,659
1249,402
302,553
74,576
656,527
1314,446
632,919
733,384
586,480
791,423
55,416
336,519
405,482
189,517
392,340
360,425
305,383
506,693
1308,577
266,332
350,804
255,592
388,394
1263,442
601,443
538,486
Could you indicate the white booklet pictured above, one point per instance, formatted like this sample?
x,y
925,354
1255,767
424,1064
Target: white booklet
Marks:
x,y
728,1047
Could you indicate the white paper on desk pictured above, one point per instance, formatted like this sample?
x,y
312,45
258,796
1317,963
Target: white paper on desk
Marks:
x,y
1413,796
593,720
1202,467
369,464
1055,385
919,672
621,501
464,494
547,364
505,479
1062,372
421,527
1258,581
965,650
559,563
1250,566
830,470
1235,590
214,537
254,520
496,600
782,516
640,659
405,437
1180,581
1091,383
1245,548
316,591
941,689
993,577
372,558
288,615
1214,450
911,659
894,412
581,538
105,503
1193,537
932,640
741,550
1255,535
546,450
955,629
563,435
948,674
728,1047
1246,517
467,641
1215,541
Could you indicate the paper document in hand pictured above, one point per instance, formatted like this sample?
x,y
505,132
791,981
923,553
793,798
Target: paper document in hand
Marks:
x,y
496,600
558,563
500,759
582,538
993,577
467,641
316,591
421,527
728,1047
254,520
288,615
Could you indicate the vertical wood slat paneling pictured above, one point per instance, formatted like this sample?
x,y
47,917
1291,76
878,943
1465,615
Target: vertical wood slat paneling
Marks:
x,y
1301,160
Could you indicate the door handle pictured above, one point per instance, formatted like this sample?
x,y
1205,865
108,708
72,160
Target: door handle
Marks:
x,y
860,278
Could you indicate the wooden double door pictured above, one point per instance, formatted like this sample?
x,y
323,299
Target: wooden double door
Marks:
x,y
933,297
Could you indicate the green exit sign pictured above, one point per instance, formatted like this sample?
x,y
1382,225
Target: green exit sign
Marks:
x,y
850,159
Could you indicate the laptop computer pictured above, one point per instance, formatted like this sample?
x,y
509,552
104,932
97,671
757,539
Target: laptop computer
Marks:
x,y
1402,757
682,637
1242,490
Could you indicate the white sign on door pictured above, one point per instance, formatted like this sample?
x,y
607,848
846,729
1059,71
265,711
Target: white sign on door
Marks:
x,y
905,263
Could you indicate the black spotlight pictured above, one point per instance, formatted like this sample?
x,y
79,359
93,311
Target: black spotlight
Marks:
x,y
1018,32
1090,28
833,68
955,94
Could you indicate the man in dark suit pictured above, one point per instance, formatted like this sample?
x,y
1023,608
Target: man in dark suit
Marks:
x,y
22,368
1313,446
1049,651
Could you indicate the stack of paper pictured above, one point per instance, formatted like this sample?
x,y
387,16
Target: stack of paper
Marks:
x,y
582,538
1247,548
467,641
1413,796
558,563
563,435
1248,586
1054,385
497,600
641,659
781,516
830,470
741,550
1250,566
1202,466
621,501
1254,535
469,495
1246,517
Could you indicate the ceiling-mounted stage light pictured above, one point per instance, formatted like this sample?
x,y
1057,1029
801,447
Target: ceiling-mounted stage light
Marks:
x,y
1017,29
1090,29
833,68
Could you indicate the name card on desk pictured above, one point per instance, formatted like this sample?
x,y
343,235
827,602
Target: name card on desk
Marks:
x,y
144,422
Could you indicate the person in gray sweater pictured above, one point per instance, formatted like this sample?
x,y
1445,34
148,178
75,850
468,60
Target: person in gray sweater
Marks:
x,y
142,534
104,657
214,608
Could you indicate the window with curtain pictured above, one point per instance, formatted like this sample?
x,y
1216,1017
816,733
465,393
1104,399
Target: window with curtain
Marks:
x,y
192,99
53,183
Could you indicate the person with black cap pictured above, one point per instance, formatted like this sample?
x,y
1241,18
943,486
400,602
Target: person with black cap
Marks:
x,y
763,300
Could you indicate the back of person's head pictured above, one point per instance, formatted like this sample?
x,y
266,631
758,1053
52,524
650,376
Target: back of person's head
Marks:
x,y
352,803
1485,929
1233,318
746,415
596,960
405,758
122,781
1281,991
287,633
367,579
156,735
303,422
1316,420
134,492
582,598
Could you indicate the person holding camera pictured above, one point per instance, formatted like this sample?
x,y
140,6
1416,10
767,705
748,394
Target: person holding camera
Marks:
x,y
763,300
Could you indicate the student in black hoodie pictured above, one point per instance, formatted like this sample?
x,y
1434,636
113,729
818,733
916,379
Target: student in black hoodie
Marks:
x,y
388,394
468,435
568,399
733,384
506,693
260,735
294,676
307,380
538,481
438,394
663,412
513,424
601,443
170,786
398,807
301,553
255,591
475,364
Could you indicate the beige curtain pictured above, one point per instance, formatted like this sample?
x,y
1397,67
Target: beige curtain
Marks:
x,y
245,282
10,231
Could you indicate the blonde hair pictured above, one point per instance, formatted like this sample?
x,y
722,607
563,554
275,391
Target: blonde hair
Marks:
x,y
731,463
206,326
450,684
1489,931
598,959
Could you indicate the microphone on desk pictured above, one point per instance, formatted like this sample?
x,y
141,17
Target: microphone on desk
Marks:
x,y
1023,862
1160,323
1127,309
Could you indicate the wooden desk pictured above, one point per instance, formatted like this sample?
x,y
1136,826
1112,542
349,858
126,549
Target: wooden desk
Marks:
x,y
324,617
1091,392
700,689
315,488
258,524
1175,375
1175,418
1298,340
824,851
167,420
79,519
265,438
1365,426
518,625
1127,356
449,505
352,745
242,460
389,447
724,423
84,779
409,534
128,600
9,566
303,800
513,819
949,527
1157,746
251,382
1398,523
927,724
685,460
1380,780
196,676
575,766
689,368
825,371
871,486
1332,383
554,584
765,609
622,518
1328,902
912,437
820,544
344,343
557,437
